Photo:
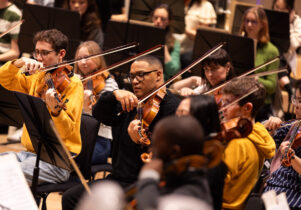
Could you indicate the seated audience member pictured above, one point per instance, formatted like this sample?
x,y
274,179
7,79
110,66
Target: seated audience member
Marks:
x,y
90,24
162,17
146,75
174,139
93,90
9,16
205,110
47,3
244,157
215,69
286,177
255,25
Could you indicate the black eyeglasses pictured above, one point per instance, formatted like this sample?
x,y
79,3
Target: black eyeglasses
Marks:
x,y
139,76
42,53
253,22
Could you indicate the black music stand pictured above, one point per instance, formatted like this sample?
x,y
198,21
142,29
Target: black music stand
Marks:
x,y
142,9
119,33
43,138
38,18
278,26
240,49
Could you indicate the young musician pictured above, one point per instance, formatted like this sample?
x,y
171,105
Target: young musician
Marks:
x,y
287,179
118,109
244,156
174,138
215,69
93,89
50,49
255,25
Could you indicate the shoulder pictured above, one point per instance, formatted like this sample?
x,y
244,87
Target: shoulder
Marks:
x,y
12,13
75,80
169,103
271,48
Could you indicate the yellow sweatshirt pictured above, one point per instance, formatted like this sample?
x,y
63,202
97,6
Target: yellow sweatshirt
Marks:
x,y
244,158
67,122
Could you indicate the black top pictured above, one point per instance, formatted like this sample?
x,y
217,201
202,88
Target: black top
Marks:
x,y
126,160
190,183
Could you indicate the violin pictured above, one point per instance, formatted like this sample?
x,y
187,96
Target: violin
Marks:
x,y
295,142
146,113
96,85
59,80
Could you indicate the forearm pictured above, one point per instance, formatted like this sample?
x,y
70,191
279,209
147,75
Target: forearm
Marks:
x,y
9,55
189,82
296,164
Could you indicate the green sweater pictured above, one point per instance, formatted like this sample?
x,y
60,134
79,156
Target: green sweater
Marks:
x,y
263,54
174,65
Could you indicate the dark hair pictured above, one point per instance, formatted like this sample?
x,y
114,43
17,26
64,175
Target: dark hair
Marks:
x,y
152,61
220,57
241,86
289,4
205,110
54,37
89,20
183,131
169,38
263,34
194,1
297,85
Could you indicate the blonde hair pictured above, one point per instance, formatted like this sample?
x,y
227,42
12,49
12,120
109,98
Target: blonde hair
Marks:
x,y
93,48
263,34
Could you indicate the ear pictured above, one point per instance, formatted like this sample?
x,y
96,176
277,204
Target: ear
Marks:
x,y
247,108
62,53
159,75
228,67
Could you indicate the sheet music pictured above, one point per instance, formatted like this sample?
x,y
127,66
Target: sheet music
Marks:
x,y
14,190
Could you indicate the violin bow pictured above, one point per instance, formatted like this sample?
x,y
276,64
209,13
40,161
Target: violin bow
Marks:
x,y
12,28
106,52
244,74
193,64
125,61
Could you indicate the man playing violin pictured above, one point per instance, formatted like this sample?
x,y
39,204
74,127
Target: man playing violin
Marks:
x,y
287,178
50,49
118,109
244,157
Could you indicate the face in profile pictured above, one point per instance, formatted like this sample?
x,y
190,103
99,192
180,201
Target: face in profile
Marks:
x,y
160,18
183,108
86,66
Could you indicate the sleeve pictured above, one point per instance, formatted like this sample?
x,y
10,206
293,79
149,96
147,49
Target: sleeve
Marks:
x,y
148,194
280,135
12,79
234,157
106,109
110,86
173,66
270,81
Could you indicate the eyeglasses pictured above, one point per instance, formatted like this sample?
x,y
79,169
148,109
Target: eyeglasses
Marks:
x,y
42,53
139,76
296,100
253,22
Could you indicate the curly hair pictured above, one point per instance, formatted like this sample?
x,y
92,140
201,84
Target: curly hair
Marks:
x,y
54,37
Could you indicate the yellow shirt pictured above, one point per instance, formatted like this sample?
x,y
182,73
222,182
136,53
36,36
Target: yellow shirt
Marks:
x,y
67,122
244,158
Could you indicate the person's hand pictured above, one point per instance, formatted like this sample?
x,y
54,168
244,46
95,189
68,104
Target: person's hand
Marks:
x,y
87,100
284,146
52,102
28,65
127,99
154,164
272,123
186,92
133,128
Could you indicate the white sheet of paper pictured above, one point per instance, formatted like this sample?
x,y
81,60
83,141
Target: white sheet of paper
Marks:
x,y
14,190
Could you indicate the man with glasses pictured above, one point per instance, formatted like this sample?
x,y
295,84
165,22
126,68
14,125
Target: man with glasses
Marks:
x,y
50,49
118,109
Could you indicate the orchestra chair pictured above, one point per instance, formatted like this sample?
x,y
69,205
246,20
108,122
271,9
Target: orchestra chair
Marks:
x,y
89,130
104,167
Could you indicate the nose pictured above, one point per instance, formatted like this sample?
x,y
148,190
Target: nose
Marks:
x,y
39,57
